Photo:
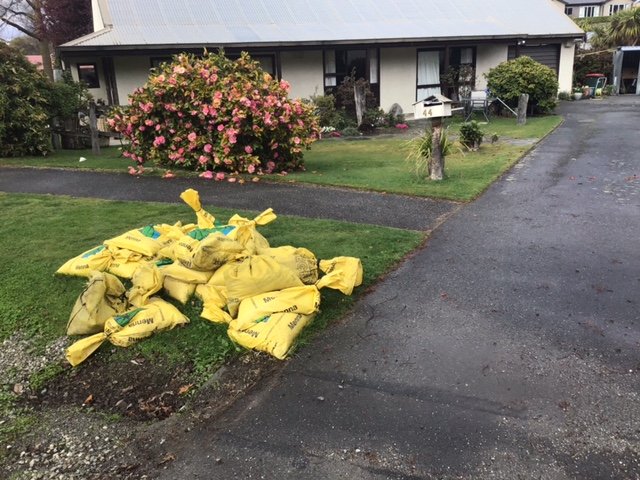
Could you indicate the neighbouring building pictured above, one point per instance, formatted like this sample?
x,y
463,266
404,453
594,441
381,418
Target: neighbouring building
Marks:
x,y
402,48
595,8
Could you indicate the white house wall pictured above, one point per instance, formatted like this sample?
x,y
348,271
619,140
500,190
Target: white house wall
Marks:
x,y
137,74
565,71
97,93
304,71
488,57
398,77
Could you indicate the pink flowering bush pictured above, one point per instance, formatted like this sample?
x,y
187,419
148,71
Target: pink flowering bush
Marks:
x,y
214,114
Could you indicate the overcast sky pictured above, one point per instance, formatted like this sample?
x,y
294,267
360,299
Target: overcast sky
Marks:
x,y
7,32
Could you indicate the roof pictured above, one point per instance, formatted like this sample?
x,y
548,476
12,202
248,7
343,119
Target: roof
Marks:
x,y
166,23
578,3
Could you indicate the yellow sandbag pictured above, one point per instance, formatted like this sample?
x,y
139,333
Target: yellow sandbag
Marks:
x,y
125,262
192,198
300,260
146,240
130,327
246,232
146,281
208,253
304,300
217,279
254,275
273,334
180,272
177,289
85,264
214,301
342,273
102,297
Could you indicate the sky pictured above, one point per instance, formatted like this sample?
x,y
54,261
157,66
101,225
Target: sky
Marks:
x,y
7,32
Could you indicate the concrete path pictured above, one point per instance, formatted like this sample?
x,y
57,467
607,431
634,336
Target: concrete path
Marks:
x,y
287,199
506,349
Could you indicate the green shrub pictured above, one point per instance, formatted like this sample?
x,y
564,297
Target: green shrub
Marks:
x,y
471,135
372,119
212,113
564,96
351,132
24,104
67,97
325,108
523,75
420,151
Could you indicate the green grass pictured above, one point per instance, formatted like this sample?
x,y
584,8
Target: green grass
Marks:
x,y
42,232
109,159
380,163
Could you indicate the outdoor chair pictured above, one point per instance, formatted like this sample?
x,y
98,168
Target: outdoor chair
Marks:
x,y
478,102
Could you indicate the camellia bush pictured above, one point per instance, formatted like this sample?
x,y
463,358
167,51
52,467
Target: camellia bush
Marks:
x,y
24,106
215,114
524,75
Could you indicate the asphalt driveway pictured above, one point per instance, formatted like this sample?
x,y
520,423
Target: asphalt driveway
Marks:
x,y
507,348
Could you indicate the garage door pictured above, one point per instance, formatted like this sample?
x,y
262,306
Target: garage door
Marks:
x,y
548,54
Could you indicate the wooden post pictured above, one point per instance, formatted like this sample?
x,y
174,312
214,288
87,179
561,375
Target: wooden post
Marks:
x,y
522,108
437,158
93,125
359,97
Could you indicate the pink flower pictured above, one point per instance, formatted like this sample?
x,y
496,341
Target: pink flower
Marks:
x,y
296,140
402,126
132,171
248,149
220,127
159,141
232,179
192,137
168,174
208,175
208,148
203,160
251,168
179,69
219,176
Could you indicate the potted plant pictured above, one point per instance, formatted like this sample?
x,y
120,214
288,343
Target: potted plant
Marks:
x,y
577,93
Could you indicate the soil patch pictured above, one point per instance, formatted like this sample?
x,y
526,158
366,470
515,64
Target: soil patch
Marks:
x,y
140,389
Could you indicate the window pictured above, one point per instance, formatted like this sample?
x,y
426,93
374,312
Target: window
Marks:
x,y
88,73
449,71
341,63
568,10
616,8
157,61
585,12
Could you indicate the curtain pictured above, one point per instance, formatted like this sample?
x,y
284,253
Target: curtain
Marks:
x,y
373,65
330,68
428,73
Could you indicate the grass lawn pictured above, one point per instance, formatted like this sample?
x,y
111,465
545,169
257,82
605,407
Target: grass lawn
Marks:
x,y
370,163
380,163
42,232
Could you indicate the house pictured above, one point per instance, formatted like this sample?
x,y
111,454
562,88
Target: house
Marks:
x,y
402,47
595,8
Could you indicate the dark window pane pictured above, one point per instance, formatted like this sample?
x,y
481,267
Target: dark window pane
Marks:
x,y
88,73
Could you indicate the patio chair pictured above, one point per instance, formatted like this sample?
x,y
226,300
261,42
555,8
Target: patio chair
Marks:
x,y
478,102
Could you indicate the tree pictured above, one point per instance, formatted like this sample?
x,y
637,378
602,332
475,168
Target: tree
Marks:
x,y
26,45
24,106
625,27
50,22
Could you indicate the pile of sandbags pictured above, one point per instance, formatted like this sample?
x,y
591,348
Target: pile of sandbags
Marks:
x,y
266,295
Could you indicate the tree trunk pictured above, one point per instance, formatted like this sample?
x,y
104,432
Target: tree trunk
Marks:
x,y
93,125
359,97
437,158
45,51
522,108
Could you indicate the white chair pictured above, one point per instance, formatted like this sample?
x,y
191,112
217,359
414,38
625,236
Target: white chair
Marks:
x,y
478,102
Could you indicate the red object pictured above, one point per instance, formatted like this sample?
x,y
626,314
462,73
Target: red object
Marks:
x,y
595,75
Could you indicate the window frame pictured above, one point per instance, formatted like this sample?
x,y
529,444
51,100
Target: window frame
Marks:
x,y
95,84
369,53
